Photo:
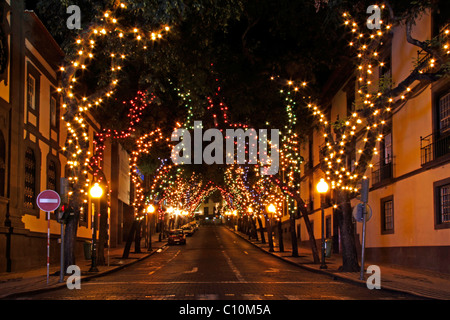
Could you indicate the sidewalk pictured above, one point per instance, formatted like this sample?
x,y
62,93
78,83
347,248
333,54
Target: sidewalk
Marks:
x,y
419,282
15,284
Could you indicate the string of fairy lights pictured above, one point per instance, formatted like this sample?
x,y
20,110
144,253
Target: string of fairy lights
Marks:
x,y
372,111
169,184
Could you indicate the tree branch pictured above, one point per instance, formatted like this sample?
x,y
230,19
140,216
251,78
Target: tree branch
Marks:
x,y
421,44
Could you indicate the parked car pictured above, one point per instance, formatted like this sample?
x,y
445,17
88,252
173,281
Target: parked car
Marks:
x,y
194,225
188,230
177,236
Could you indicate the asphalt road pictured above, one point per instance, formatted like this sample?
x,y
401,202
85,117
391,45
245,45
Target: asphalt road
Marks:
x,y
215,264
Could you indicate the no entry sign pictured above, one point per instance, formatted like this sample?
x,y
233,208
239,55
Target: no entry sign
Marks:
x,y
48,200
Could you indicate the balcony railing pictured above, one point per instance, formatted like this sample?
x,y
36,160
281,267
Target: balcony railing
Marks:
x,y
433,147
382,171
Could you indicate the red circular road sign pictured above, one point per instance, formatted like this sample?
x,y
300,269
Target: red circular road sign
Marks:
x,y
48,200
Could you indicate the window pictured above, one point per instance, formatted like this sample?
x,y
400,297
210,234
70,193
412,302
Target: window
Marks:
x,y
385,69
383,169
387,149
31,92
53,112
30,179
328,227
206,211
84,211
2,165
442,203
387,215
52,175
444,114
440,16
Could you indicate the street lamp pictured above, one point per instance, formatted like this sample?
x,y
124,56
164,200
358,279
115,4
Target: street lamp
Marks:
x,y
150,209
322,188
96,192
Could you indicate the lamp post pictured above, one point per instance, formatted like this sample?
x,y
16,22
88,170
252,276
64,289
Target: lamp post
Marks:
x,y
96,192
270,209
322,188
150,210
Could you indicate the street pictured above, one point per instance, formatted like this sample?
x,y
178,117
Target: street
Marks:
x,y
215,264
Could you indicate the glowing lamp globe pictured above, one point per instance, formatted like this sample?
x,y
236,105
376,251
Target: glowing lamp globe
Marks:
x,y
322,186
96,191
271,208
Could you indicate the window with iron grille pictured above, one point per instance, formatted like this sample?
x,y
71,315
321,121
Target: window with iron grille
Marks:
x,y
30,179
387,215
444,203
444,113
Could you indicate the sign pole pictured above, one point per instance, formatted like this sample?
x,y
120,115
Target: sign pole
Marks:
x,y
48,245
48,201
61,271
361,275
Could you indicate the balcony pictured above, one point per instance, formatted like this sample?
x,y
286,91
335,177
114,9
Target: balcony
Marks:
x,y
433,146
382,171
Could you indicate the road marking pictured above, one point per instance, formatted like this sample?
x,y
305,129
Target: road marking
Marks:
x,y
194,270
152,272
233,267
211,296
252,296
272,270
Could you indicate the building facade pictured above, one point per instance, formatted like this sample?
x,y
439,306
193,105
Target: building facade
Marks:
x,y
32,135
410,176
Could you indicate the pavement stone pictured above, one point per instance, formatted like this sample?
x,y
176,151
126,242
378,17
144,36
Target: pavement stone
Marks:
x,y
16,284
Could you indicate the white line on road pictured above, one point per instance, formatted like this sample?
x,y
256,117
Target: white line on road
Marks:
x,y
194,270
233,267
152,272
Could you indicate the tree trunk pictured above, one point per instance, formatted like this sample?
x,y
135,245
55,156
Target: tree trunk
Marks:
x,y
293,236
254,229
303,213
312,239
347,231
280,237
261,230
70,232
70,238
137,239
269,233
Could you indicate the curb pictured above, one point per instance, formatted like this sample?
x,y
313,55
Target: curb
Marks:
x,y
83,278
335,276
